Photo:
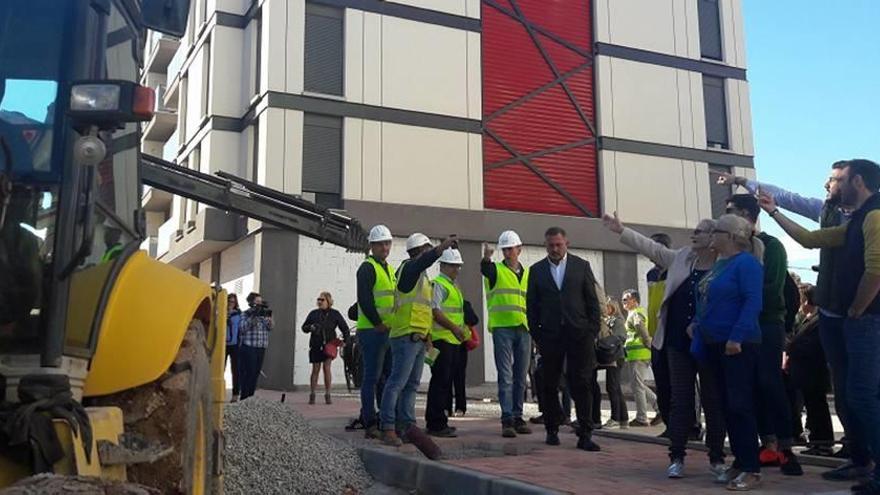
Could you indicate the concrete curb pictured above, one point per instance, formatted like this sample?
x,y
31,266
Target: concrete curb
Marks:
x,y
427,477
808,460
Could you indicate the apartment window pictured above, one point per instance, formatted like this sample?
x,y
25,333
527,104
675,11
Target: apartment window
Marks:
x,y
710,29
718,193
322,160
715,104
323,51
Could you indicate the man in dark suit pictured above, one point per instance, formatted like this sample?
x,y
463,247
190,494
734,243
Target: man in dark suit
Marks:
x,y
563,313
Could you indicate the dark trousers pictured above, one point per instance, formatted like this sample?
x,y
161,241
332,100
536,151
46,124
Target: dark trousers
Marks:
x,y
862,336
251,360
614,390
441,385
232,356
834,345
563,389
683,372
457,394
662,381
811,393
578,365
736,379
774,413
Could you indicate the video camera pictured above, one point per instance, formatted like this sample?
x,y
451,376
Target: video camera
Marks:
x,y
261,309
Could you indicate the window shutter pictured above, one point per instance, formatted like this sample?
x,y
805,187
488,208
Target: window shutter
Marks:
x,y
324,59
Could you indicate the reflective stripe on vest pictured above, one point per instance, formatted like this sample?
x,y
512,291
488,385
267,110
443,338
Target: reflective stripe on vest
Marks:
x,y
453,308
383,296
635,348
507,300
413,310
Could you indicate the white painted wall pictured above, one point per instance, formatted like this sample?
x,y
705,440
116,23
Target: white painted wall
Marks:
x,y
630,187
228,74
398,63
383,161
464,8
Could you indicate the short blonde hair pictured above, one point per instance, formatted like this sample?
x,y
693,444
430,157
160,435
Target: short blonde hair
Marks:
x,y
614,306
742,233
327,297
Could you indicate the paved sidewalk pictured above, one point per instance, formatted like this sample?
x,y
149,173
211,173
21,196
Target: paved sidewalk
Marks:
x,y
622,468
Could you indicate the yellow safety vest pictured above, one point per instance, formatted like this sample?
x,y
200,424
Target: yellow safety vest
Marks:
x,y
635,348
656,291
507,300
383,295
413,311
453,308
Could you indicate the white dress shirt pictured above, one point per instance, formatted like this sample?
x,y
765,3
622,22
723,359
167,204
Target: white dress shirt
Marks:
x,y
558,271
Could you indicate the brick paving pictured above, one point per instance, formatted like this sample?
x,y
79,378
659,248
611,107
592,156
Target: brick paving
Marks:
x,y
623,467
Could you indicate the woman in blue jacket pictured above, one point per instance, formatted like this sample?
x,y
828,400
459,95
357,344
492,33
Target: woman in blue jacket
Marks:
x,y
233,319
727,336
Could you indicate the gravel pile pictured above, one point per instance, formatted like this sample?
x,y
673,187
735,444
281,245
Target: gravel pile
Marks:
x,y
270,448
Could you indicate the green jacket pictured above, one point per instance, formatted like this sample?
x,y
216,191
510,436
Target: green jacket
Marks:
x,y
775,268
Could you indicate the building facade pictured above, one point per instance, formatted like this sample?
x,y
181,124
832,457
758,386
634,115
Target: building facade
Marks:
x,y
464,117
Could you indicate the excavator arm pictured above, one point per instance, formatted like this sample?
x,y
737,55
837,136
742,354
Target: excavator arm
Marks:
x,y
234,194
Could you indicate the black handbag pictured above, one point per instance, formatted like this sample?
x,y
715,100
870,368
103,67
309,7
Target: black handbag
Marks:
x,y
609,350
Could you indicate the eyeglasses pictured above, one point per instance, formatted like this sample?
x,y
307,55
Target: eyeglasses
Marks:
x,y
321,299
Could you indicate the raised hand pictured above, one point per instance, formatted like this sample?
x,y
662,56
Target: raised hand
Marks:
x,y
488,252
612,223
766,201
726,179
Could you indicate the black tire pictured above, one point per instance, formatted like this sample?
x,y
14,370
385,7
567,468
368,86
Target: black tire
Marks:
x,y
170,411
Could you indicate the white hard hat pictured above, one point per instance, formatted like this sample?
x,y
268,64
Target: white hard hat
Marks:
x,y
451,257
380,233
509,239
417,240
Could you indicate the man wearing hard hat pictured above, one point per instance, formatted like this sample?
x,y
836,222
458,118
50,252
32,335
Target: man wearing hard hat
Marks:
x,y
447,335
376,284
506,284
409,336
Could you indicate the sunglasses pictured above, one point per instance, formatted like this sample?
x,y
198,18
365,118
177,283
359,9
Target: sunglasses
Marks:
x,y
321,299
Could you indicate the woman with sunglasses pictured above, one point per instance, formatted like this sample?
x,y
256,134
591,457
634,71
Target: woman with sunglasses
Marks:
x,y
727,337
685,268
233,320
322,323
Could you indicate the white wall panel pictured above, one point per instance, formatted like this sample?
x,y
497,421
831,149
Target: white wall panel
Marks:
x,y
274,45
372,160
475,172
228,74
293,155
456,7
221,151
295,47
474,77
424,67
354,55
640,111
424,166
645,24
352,156
372,64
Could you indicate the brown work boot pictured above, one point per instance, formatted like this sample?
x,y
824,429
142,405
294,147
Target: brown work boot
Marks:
x,y
521,427
390,438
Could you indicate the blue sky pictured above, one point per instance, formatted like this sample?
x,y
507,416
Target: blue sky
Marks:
x,y
814,74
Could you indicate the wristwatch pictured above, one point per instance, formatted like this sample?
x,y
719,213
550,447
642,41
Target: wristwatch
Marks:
x,y
774,212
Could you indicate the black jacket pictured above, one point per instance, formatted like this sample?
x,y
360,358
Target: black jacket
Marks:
x,y
570,314
322,325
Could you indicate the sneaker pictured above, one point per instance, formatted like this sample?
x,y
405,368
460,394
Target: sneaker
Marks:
x,y
354,424
789,464
847,472
521,427
552,437
657,420
611,424
639,423
676,469
459,413
444,433
769,457
819,451
587,443
537,420
665,434
727,476
744,482
507,430
391,439
717,469
234,399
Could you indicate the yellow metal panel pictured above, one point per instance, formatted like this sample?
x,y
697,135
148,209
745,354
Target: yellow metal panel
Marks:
x,y
146,317
85,290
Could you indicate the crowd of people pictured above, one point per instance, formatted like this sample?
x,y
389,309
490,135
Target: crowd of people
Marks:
x,y
727,332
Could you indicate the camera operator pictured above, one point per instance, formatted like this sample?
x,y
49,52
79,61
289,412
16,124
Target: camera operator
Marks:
x,y
256,323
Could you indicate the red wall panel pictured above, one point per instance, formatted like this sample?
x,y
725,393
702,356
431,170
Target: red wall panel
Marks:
x,y
528,110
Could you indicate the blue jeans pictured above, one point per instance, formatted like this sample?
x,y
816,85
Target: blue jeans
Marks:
x,y
373,346
513,348
834,345
399,396
862,337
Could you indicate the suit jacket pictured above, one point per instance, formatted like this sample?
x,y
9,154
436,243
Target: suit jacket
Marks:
x,y
569,314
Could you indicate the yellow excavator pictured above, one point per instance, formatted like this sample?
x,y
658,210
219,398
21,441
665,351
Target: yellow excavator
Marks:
x,y
111,363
